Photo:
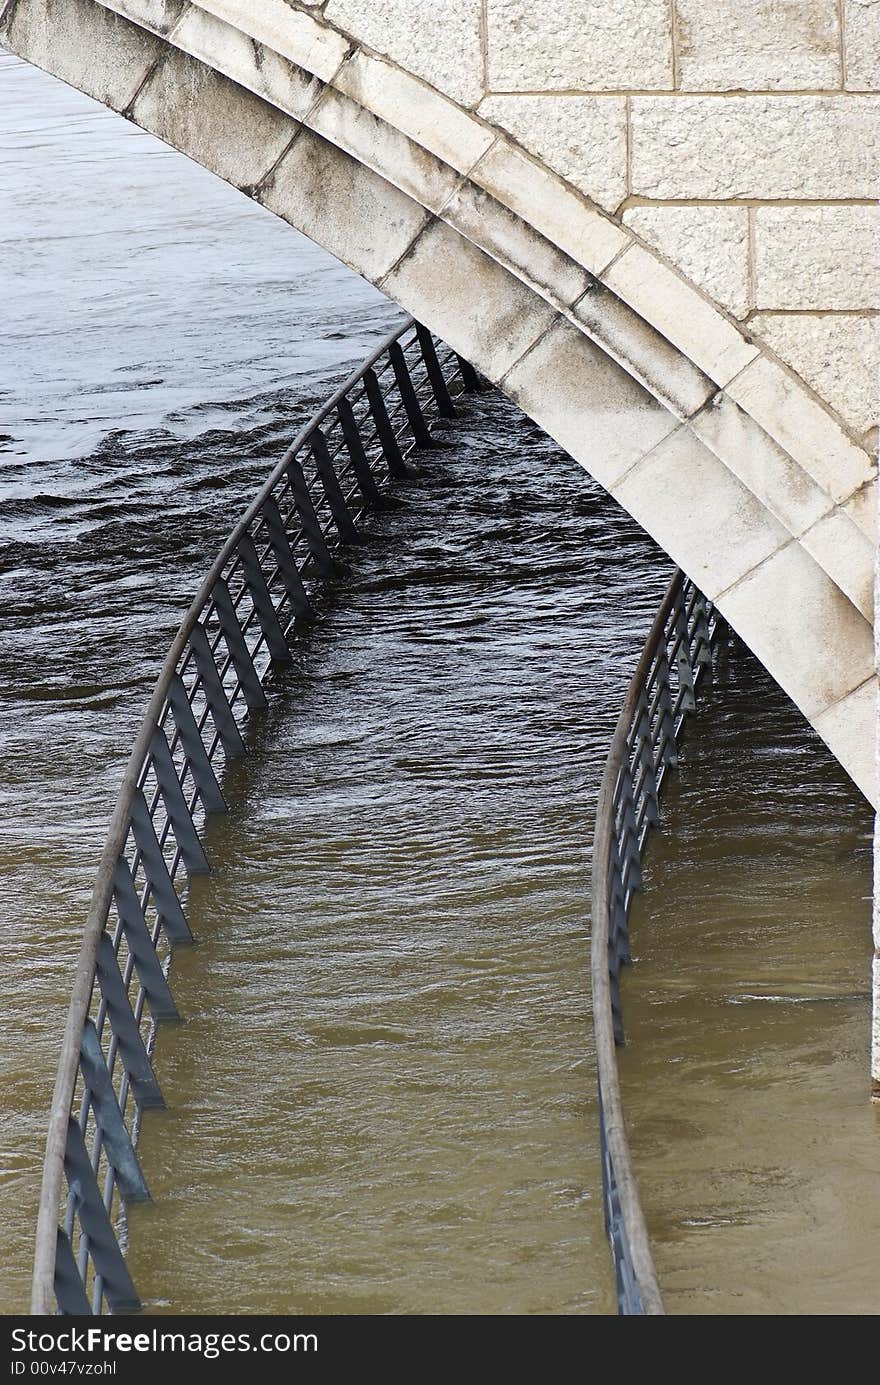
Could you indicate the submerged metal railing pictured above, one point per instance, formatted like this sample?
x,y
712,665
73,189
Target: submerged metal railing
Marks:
x,y
239,625
644,746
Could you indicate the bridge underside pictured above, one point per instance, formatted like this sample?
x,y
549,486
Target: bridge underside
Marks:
x,y
748,482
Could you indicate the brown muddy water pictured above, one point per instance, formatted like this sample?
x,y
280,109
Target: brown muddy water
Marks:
x,y
382,1099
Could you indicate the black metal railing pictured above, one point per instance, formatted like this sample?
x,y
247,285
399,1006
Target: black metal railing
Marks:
x,y
644,746
240,624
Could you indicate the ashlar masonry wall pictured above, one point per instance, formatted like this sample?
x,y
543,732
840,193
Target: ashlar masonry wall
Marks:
x,y
739,138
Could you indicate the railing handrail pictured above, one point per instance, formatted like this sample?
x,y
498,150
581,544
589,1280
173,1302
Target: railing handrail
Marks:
x,y
647,1298
43,1296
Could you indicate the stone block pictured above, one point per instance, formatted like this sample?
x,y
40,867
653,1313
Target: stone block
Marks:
x,y
806,633
849,730
708,244
720,148
384,149
782,486
817,257
642,351
286,30
680,314
513,243
261,70
468,299
440,43
432,120
539,197
589,45
92,48
583,399
699,512
345,207
861,27
802,427
759,46
862,510
583,138
847,555
216,122
159,16
837,354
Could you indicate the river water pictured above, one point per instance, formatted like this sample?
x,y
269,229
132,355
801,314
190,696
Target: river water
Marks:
x,y
382,1099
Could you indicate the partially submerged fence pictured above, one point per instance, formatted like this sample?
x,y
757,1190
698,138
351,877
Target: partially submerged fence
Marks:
x,y
644,746
240,624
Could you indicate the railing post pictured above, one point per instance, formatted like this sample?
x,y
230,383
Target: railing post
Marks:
x,y
413,409
280,544
176,807
216,697
309,520
387,437
187,730
140,945
137,1063
345,525
114,1134
95,1222
358,454
237,645
471,382
442,398
258,590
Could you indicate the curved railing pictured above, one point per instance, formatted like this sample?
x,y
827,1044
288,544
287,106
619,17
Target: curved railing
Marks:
x,y
240,623
645,744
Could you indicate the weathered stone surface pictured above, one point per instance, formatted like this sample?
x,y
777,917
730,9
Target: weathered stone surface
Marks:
x,y
343,206
861,26
704,517
260,69
862,510
514,244
817,257
432,120
847,555
384,149
483,312
709,244
213,120
782,486
536,195
785,597
581,137
643,352
764,147
158,15
728,45
591,45
849,730
91,48
438,42
837,354
680,313
288,31
587,403
802,427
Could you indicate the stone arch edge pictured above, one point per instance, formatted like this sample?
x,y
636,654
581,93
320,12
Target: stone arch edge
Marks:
x,y
542,291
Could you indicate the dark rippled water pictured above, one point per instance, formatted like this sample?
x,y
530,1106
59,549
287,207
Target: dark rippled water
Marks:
x,y
382,1097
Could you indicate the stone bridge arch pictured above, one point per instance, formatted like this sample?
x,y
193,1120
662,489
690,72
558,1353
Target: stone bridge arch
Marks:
x,y
753,483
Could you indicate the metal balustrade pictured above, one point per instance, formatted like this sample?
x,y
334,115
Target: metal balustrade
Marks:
x,y
241,623
645,745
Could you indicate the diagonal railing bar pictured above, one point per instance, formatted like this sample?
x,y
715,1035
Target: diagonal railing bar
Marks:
x,y
254,600
644,746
